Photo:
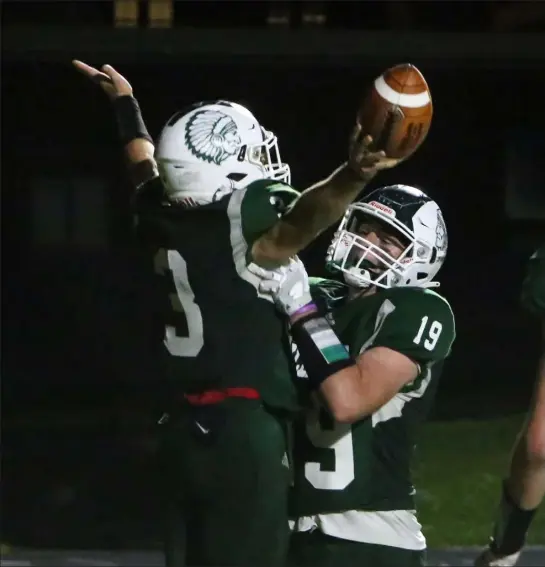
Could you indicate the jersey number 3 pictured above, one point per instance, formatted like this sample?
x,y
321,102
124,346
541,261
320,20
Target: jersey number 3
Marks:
x,y
182,300
337,439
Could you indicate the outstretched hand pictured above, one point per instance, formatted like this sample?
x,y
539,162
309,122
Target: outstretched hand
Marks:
x,y
109,80
361,159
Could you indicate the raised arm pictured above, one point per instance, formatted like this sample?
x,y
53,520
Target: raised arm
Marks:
x,y
316,209
137,143
322,204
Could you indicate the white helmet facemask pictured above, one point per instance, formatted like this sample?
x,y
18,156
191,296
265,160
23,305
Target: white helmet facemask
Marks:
x,y
267,155
366,264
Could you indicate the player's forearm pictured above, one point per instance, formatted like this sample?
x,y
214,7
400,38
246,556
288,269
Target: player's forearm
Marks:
x,y
316,209
355,393
137,143
330,368
345,396
325,202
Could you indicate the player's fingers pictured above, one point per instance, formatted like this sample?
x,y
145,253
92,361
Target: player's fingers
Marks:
x,y
269,286
109,70
116,77
294,263
372,159
365,158
355,134
84,68
356,153
387,163
360,139
298,263
367,140
102,78
258,270
267,275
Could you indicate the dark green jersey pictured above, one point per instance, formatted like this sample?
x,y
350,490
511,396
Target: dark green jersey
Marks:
x,y
218,331
533,287
366,466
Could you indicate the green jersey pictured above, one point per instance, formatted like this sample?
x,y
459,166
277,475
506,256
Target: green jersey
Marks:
x,y
533,287
366,465
219,332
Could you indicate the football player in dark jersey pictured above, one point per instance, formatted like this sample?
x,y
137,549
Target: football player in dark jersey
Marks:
x,y
370,350
524,488
211,198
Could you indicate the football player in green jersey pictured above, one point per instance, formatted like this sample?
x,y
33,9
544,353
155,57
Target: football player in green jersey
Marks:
x,y
372,350
211,198
524,488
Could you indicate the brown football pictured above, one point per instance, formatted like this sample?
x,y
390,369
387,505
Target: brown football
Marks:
x,y
397,111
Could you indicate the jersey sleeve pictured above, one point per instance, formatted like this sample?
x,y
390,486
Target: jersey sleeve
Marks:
x,y
533,286
262,203
416,323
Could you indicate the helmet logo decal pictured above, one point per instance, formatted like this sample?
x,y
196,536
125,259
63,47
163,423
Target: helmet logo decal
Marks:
x,y
440,233
212,136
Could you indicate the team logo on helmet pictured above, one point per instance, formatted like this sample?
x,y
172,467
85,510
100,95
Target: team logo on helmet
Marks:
x,y
212,136
441,233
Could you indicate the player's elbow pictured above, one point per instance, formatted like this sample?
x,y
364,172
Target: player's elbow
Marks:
x,y
279,244
344,413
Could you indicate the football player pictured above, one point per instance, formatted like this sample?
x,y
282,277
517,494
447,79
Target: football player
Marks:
x,y
212,197
524,488
372,350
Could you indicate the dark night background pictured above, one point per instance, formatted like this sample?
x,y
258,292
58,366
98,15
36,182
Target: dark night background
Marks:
x,y
78,364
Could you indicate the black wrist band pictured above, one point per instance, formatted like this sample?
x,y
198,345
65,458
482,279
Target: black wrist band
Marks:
x,y
320,350
511,526
130,124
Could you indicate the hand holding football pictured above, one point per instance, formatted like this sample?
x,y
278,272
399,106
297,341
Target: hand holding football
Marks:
x,y
397,112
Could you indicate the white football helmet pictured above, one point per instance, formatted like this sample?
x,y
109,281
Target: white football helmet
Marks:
x,y
214,149
417,220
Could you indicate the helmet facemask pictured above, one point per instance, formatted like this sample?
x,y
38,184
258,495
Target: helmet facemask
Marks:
x,y
364,263
266,155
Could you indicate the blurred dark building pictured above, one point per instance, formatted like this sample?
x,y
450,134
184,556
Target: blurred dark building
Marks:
x,y
79,354
448,15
